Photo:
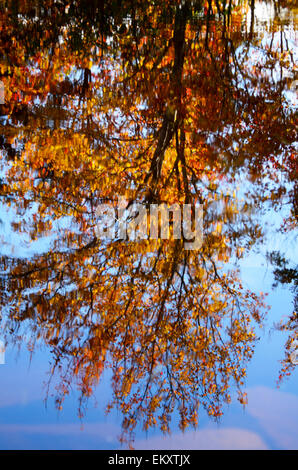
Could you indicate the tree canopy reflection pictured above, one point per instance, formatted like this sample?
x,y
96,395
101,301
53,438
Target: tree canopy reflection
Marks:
x,y
175,102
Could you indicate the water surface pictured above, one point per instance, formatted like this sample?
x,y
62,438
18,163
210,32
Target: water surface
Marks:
x,y
145,343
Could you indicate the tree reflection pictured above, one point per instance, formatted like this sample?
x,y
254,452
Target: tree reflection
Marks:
x,y
165,102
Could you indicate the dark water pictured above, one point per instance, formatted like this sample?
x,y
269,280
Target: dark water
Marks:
x,y
185,103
